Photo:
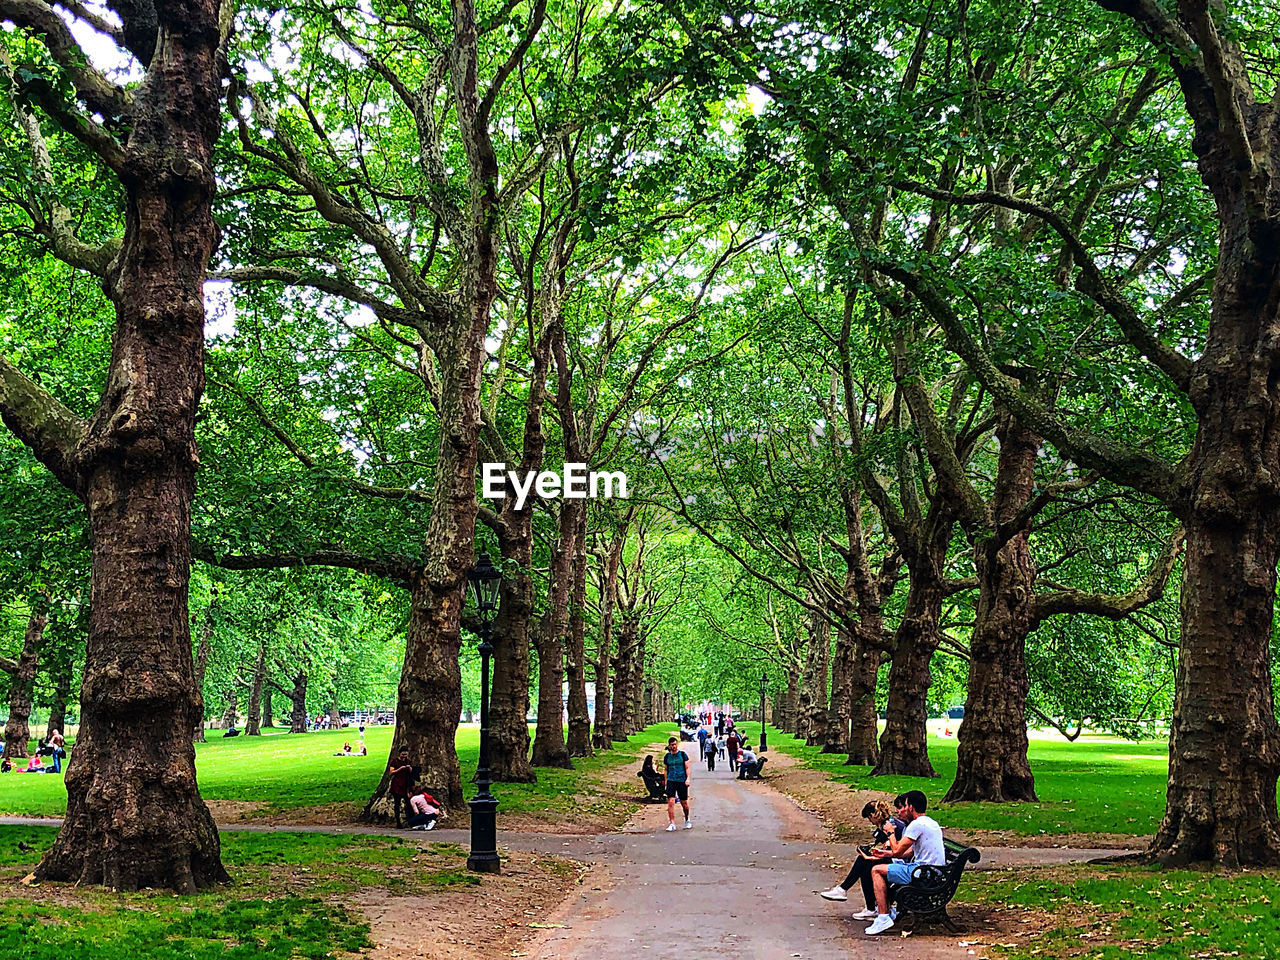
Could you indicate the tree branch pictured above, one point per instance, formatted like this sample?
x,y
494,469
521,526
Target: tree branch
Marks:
x,y
1113,607
48,429
1126,465
396,568
1092,283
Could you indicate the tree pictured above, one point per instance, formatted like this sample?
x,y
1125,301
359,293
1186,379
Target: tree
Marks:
x,y
133,461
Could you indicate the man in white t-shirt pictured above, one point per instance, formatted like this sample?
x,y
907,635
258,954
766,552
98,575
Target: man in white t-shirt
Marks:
x,y
922,840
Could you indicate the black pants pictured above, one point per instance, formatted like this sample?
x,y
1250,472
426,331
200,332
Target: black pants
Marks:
x,y
862,871
747,767
733,760
711,761
420,818
399,802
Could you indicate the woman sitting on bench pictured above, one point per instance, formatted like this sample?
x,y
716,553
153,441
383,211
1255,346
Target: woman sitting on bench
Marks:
x,y
655,781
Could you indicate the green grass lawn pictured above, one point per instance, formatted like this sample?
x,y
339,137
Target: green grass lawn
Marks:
x,y
1083,787
1119,912
289,771
281,904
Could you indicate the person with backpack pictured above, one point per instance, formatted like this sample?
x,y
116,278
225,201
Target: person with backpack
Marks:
x,y
709,753
676,762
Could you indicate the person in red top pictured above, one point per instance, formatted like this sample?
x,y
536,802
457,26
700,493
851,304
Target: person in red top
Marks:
x,y
401,771
731,744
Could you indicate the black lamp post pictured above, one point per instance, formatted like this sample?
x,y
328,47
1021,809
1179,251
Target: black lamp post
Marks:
x,y
764,744
485,580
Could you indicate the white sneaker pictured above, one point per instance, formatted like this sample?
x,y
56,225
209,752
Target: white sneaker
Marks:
x,y
431,825
835,893
867,913
688,824
670,827
882,923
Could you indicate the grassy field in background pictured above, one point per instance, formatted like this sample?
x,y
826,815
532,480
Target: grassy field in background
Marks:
x,y
1083,787
286,772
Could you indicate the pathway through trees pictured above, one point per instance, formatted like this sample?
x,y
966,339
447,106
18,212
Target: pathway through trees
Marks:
x,y
742,883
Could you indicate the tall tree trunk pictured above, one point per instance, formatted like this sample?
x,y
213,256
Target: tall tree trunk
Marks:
x,y
622,679
298,703
21,684
549,748
253,723
232,712
335,715
992,761
268,715
904,745
579,742
791,699
429,700
603,739
61,691
134,814
816,682
863,672
509,692
635,697
835,738
203,648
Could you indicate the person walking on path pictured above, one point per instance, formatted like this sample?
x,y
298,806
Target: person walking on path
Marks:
x,y
709,752
731,745
677,763
703,733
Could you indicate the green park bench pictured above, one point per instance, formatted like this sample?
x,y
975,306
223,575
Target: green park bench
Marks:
x,y
931,888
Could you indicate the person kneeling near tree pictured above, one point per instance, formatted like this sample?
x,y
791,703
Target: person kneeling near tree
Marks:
x,y
921,840
424,810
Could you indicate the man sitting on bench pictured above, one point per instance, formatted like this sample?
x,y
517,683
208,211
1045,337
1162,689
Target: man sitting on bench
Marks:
x,y
922,840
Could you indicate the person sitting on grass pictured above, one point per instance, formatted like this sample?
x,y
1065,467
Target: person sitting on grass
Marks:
x,y
5,765
345,751
921,840
35,764
884,825
424,810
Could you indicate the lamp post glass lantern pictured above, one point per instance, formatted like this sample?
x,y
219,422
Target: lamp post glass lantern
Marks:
x,y
764,744
486,581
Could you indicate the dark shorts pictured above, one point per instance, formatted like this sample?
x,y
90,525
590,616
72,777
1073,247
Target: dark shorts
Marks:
x,y
678,790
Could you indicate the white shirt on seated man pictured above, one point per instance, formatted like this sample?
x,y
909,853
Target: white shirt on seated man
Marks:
x,y
921,840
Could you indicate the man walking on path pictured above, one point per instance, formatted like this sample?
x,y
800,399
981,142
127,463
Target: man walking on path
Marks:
x,y
731,744
922,840
677,764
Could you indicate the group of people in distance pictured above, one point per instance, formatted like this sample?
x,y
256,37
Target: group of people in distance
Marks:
x,y
54,747
903,838
673,779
